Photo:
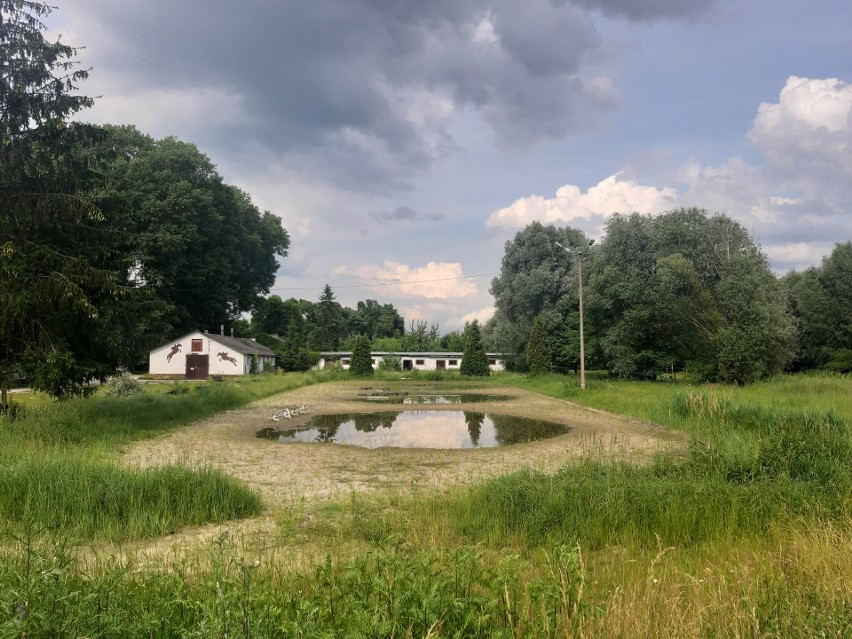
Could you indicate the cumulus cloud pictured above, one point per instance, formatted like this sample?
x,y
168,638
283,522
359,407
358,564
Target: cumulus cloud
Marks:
x,y
614,194
797,255
482,316
802,188
438,280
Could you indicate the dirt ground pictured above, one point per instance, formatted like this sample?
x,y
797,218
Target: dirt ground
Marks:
x,y
303,472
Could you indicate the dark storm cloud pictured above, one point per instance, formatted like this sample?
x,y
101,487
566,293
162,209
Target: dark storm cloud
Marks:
x,y
350,88
405,214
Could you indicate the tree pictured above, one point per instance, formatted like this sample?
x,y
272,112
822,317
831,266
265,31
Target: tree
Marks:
x,y
821,302
327,335
361,364
685,289
539,361
536,279
474,359
59,270
203,247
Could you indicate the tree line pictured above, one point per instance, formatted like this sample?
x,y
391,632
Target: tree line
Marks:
x,y
683,290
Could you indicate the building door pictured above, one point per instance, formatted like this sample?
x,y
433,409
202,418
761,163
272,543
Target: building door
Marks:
x,y
197,366
441,364
406,364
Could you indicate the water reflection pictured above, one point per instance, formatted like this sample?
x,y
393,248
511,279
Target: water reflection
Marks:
x,y
381,397
419,429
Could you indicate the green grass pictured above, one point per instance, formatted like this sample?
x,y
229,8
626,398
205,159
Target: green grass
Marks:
x,y
746,533
86,499
117,420
57,473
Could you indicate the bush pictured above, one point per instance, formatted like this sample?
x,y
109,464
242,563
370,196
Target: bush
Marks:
x,y
123,384
841,361
12,411
390,362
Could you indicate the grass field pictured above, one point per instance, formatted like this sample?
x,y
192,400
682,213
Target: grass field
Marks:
x,y
57,470
748,533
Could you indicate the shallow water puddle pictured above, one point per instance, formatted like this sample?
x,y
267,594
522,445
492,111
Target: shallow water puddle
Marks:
x,y
419,429
432,398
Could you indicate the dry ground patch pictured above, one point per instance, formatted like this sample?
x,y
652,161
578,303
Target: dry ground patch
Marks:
x,y
293,472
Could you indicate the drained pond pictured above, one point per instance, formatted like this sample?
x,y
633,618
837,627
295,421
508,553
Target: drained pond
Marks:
x,y
392,397
418,429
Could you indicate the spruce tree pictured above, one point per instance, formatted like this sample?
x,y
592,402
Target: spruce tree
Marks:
x,y
361,364
474,360
539,359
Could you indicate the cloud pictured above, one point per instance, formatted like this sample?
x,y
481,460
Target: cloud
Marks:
x,y
611,195
797,255
806,137
436,280
404,213
365,94
482,316
802,188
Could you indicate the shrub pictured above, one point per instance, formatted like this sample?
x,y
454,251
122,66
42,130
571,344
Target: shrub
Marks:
x,y
123,384
390,362
841,361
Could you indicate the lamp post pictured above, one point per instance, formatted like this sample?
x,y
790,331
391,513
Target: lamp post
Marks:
x,y
579,255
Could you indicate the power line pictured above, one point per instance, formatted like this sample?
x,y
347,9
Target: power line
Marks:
x,y
443,279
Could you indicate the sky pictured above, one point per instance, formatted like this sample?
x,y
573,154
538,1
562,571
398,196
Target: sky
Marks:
x,y
404,143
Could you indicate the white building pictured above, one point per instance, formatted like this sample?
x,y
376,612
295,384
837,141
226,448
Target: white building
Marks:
x,y
199,355
411,361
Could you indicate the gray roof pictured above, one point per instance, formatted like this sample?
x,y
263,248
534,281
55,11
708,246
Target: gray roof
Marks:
x,y
244,345
430,354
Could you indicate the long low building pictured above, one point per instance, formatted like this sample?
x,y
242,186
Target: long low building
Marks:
x,y
411,361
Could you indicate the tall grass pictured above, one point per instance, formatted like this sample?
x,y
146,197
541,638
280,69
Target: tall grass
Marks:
x,y
56,471
389,592
395,590
86,499
751,468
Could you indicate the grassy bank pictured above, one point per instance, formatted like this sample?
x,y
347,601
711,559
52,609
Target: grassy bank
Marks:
x,y
56,472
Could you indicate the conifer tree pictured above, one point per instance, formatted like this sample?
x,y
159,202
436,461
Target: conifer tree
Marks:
x,y
474,360
361,364
539,359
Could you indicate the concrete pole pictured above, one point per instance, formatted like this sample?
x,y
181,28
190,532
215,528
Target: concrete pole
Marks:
x,y
582,345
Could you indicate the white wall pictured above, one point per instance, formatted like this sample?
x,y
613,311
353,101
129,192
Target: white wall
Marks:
x,y
159,364
430,362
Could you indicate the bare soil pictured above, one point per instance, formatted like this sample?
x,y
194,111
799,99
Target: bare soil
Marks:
x,y
302,472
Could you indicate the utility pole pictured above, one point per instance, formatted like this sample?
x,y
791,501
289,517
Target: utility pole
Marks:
x,y
579,255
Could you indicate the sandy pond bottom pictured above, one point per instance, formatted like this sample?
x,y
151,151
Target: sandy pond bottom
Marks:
x,y
307,471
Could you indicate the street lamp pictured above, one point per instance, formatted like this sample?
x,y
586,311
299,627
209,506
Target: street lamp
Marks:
x,y
579,254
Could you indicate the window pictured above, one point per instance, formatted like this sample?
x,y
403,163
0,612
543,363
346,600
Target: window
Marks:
x,y
345,362
454,362
373,361
492,362
419,362
197,345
